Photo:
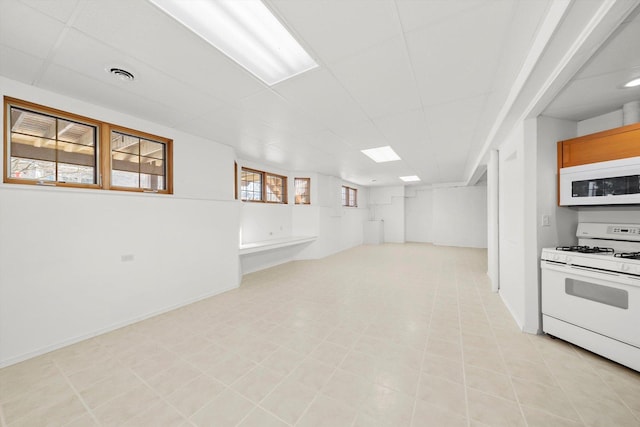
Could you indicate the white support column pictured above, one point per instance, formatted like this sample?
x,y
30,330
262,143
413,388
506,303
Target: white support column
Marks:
x,y
493,245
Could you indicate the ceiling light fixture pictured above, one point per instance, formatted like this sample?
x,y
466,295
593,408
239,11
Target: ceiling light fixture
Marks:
x,y
381,154
633,83
410,178
247,32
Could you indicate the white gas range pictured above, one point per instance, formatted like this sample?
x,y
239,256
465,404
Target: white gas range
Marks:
x,y
591,292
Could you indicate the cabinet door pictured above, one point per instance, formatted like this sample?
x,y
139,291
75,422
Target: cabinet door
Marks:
x,y
613,144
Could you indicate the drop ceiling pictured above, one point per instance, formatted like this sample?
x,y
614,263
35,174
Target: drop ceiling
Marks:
x,y
434,79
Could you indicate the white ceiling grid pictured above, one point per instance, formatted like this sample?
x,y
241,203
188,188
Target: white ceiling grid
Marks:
x,y
427,77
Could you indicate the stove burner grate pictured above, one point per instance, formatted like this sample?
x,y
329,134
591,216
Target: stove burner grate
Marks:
x,y
585,249
628,255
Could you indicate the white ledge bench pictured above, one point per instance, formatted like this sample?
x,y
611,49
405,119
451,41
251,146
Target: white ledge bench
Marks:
x,y
267,245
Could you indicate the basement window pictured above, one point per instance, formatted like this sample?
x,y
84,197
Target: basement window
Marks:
x,y
349,197
45,146
260,186
303,191
138,162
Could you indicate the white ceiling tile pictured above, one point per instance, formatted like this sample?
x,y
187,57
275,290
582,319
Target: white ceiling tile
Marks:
x,y
417,14
18,65
380,79
62,10
325,141
320,94
405,130
589,97
68,82
91,58
25,29
453,124
527,18
361,135
269,107
139,29
457,60
338,29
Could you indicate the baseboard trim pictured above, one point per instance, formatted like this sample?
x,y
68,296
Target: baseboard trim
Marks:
x,y
47,349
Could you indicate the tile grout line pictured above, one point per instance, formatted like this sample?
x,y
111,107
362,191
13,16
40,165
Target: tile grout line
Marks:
x,y
329,378
424,354
3,422
568,395
257,404
637,416
509,376
77,393
461,341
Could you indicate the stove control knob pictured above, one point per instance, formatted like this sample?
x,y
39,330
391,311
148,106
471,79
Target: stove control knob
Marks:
x,y
556,257
624,267
568,260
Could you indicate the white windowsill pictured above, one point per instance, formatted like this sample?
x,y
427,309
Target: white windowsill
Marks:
x,y
266,245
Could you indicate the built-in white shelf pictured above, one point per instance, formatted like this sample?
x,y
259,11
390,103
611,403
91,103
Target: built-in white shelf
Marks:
x,y
267,245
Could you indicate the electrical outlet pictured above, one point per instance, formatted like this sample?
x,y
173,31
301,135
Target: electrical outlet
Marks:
x,y
127,258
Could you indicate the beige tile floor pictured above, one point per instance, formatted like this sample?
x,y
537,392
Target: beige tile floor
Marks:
x,y
392,335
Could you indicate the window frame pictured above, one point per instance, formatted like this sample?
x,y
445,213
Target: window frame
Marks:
x,y
347,200
168,169
57,114
295,191
263,194
102,149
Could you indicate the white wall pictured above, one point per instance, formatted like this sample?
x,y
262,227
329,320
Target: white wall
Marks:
x,y
527,192
511,207
62,277
596,124
563,221
337,228
387,204
460,216
419,214
448,216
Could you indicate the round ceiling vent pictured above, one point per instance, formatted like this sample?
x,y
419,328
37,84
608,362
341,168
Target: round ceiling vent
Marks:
x,y
121,74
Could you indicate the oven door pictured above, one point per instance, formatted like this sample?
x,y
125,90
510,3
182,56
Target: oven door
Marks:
x,y
598,301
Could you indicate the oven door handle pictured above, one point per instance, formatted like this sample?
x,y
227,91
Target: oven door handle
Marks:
x,y
609,273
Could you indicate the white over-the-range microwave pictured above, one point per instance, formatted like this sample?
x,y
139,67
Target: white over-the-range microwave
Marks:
x,y
615,182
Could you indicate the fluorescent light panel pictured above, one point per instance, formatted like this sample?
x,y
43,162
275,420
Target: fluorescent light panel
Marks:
x,y
633,83
382,154
247,32
410,178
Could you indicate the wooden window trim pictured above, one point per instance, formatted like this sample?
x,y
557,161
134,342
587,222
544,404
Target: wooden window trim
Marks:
x,y
285,195
308,188
235,181
36,108
263,195
347,203
262,185
168,143
103,148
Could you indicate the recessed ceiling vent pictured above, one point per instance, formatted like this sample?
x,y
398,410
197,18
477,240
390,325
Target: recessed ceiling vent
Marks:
x,y
121,74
